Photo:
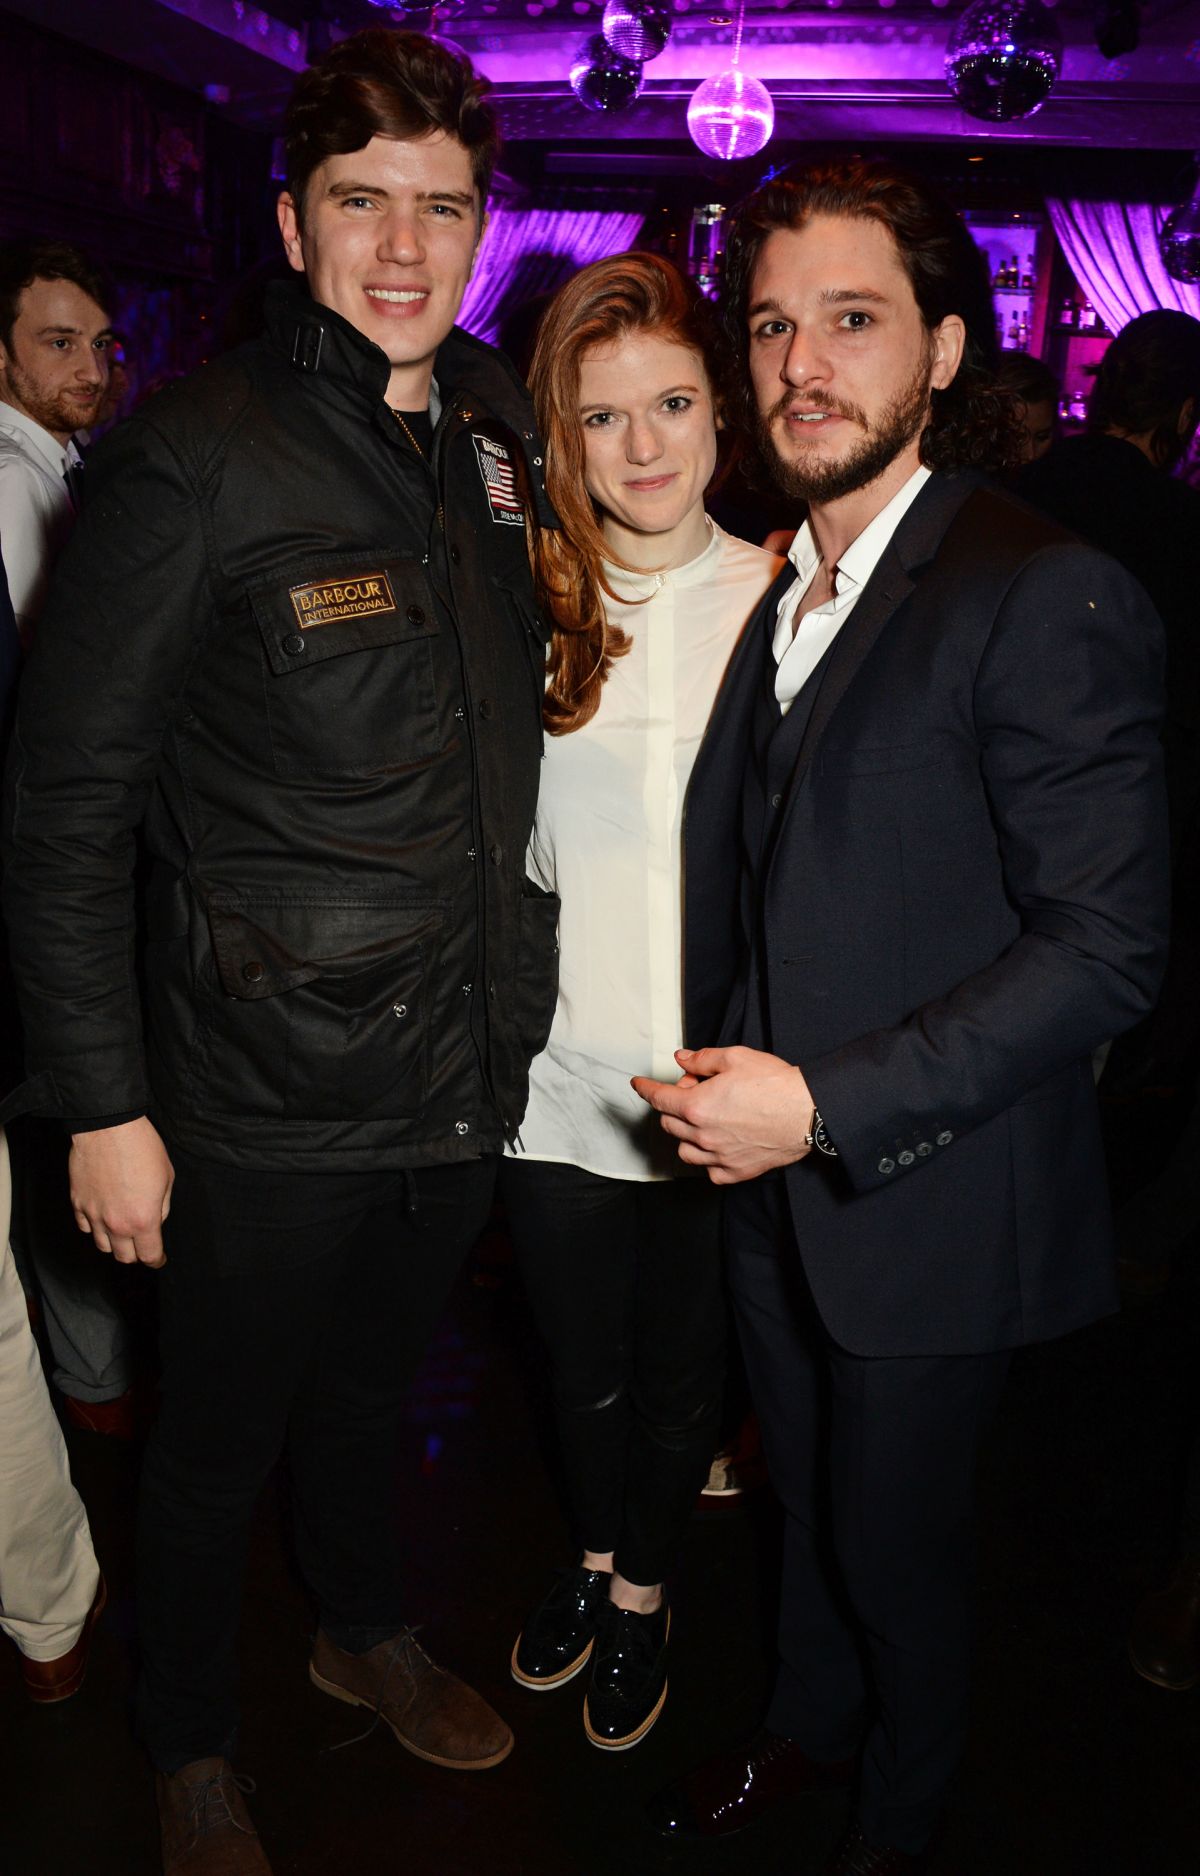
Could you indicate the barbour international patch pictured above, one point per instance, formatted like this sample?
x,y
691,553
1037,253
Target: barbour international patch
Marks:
x,y
354,598
499,480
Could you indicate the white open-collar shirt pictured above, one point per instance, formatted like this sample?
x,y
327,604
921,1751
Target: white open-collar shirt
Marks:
x,y
608,839
36,514
800,647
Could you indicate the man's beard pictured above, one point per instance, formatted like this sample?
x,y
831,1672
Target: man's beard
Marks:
x,y
903,419
56,411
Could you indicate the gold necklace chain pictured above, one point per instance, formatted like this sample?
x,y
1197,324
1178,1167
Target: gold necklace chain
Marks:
x,y
398,415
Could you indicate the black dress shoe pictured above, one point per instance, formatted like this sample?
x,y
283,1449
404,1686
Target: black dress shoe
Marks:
x,y
628,1687
557,1639
735,1787
1164,1641
854,1856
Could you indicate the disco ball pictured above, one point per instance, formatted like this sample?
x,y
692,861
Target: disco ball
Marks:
x,y
1002,59
636,29
1179,241
601,79
731,115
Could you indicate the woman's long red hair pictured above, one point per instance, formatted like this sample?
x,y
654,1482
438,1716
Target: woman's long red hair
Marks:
x,y
602,303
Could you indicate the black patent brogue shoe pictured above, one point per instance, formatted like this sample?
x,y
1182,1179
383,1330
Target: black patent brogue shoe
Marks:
x,y
854,1856
1164,1639
736,1787
556,1642
628,1688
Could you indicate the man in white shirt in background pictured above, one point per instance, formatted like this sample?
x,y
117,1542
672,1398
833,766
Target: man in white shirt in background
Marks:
x,y
55,335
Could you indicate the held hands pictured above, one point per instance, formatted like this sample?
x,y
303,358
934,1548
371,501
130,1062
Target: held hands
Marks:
x,y
121,1183
738,1112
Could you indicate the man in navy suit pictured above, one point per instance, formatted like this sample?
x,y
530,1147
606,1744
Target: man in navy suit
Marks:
x,y
925,878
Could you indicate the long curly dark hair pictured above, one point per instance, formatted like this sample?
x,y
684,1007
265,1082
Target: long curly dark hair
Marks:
x,y
972,423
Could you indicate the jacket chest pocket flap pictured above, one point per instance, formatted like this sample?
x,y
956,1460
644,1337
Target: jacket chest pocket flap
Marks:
x,y
348,664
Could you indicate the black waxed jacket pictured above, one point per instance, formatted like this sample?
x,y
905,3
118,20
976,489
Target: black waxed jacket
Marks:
x,y
324,708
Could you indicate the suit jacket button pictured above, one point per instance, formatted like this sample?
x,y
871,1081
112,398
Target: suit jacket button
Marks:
x,y
924,1150
906,1158
944,1138
887,1165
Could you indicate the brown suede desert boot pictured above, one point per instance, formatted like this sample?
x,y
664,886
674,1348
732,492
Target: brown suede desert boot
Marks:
x,y
432,1713
206,1828
48,1681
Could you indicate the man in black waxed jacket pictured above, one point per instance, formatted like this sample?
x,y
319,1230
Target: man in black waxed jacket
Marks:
x,y
294,641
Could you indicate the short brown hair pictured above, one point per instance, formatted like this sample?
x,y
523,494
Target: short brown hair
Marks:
x,y
381,83
627,293
23,262
970,422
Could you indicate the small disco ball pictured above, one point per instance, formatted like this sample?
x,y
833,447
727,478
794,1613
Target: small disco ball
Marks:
x,y
1179,242
731,115
1002,59
636,29
601,79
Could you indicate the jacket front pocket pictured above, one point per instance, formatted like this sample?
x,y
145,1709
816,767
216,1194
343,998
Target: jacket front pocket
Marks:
x,y
319,1007
348,671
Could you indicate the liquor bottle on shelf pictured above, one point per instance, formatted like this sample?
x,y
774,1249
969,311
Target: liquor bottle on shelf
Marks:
x,y
1087,317
1068,317
1022,334
1027,280
1013,341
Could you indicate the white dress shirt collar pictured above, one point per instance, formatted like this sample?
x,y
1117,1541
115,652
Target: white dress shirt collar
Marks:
x,y
637,585
48,447
864,553
799,644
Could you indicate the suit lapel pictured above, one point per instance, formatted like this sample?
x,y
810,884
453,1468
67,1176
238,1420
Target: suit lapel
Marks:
x,y
914,543
721,758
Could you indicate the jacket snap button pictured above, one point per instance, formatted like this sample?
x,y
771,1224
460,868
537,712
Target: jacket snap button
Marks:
x,y
906,1158
399,1009
496,854
415,616
455,556
294,645
887,1165
460,1126
254,972
944,1138
485,707
776,801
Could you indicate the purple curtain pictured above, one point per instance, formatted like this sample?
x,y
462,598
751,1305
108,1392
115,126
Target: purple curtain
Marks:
x,y
530,251
1112,249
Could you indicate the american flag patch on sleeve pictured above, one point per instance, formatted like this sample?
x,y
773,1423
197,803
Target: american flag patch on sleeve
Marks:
x,y
499,480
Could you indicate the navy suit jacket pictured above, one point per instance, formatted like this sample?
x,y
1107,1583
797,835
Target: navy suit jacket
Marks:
x,y
967,893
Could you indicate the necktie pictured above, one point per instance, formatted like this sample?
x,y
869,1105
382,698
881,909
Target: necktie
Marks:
x,y
73,477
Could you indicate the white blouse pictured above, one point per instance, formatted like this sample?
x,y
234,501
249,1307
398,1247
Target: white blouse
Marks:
x,y
607,838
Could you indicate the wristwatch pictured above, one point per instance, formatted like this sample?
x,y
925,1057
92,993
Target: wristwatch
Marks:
x,y
818,1136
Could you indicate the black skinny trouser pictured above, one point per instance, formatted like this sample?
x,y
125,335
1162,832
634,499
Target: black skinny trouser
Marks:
x,y
624,1279
295,1308
874,1462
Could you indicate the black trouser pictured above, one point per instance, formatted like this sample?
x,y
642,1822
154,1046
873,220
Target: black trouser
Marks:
x,y
874,1461
624,1278
295,1308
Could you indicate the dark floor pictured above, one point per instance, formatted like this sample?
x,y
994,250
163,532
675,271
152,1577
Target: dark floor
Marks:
x,y
1075,1765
